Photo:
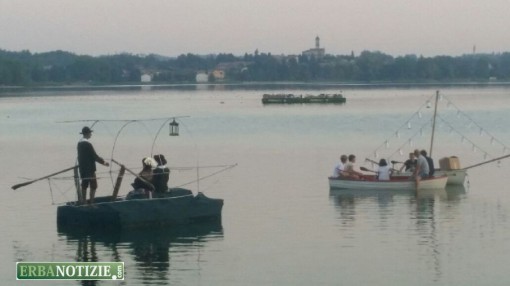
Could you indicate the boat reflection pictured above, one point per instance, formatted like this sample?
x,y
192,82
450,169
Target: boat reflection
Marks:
x,y
149,251
426,215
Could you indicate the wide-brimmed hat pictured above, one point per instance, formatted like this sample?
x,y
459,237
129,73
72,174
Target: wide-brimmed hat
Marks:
x,y
86,130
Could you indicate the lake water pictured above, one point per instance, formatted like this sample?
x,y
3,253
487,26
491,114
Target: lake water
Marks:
x,y
281,224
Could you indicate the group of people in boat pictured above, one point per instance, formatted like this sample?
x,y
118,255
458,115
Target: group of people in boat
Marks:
x,y
419,164
346,168
153,179
424,169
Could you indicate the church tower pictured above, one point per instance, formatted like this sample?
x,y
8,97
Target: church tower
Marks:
x,y
317,52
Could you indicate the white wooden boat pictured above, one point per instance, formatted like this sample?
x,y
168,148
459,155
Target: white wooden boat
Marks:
x,y
455,177
397,183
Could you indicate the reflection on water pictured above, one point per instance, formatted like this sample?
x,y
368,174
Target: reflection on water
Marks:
x,y
415,215
148,251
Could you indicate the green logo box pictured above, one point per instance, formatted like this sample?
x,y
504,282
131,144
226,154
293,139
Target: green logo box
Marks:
x,y
70,270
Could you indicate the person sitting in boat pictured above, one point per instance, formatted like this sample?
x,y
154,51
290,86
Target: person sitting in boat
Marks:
x,y
142,186
160,175
429,161
339,168
384,171
349,171
409,164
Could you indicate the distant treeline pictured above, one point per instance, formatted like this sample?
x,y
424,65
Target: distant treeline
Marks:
x,y
59,67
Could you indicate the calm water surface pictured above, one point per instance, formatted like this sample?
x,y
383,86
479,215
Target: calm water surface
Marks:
x,y
281,223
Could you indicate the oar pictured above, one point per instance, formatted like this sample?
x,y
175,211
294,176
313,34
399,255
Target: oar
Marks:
x,y
133,173
377,163
372,161
45,177
367,170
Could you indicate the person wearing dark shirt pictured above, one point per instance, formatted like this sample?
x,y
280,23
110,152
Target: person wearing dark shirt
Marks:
x,y
87,158
409,164
160,175
146,175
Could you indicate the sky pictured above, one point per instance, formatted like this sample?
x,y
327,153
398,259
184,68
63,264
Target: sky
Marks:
x,y
175,27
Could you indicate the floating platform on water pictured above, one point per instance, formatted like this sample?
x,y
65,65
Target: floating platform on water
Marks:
x,y
291,98
175,207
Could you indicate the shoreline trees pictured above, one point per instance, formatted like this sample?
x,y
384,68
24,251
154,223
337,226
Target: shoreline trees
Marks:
x,y
63,68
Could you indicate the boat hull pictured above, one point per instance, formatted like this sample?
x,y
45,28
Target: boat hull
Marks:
x,y
455,177
133,213
396,184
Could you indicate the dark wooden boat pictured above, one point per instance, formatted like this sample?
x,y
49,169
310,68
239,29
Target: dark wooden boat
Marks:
x,y
176,207
291,98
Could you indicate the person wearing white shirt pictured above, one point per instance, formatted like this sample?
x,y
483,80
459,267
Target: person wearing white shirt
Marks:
x,y
339,168
384,171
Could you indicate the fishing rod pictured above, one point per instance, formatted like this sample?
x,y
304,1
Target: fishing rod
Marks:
x,y
227,167
486,162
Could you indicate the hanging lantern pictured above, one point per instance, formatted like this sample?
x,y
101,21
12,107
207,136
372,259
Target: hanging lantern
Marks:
x,y
174,128
408,124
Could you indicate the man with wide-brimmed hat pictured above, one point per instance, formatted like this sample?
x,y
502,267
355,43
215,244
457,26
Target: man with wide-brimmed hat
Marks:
x,y
87,159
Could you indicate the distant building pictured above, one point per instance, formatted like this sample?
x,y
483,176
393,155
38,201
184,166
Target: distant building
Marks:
x,y
146,78
219,74
202,77
316,52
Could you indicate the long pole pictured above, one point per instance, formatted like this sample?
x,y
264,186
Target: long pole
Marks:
x,y
42,178
486,162
434,124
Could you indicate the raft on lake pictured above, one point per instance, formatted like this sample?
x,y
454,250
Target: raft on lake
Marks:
x,y
176,207
291,98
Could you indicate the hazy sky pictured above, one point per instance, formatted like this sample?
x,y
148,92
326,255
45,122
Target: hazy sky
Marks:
x,y
173,27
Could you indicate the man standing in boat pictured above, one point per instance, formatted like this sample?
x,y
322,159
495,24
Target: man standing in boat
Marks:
x,y
429,161
87,159
422,167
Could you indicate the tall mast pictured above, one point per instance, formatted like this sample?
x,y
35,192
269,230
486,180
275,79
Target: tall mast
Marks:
x,y
434,124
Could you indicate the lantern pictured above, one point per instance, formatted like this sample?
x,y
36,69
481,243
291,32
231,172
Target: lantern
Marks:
x,y
174,128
